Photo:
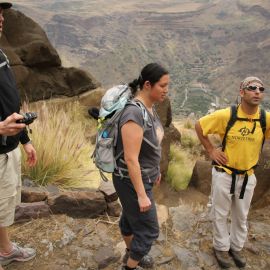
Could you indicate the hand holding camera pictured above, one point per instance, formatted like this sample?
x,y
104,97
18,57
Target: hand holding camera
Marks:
x,y
28,118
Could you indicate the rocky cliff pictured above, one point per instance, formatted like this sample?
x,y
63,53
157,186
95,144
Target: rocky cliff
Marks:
x,y
36,64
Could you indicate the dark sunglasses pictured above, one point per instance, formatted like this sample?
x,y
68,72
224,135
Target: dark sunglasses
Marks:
x,y
254,88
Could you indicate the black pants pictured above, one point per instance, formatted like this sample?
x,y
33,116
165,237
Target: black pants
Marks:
x,y
142,225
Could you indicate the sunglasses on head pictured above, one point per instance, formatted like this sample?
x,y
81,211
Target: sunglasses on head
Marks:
x,y
254,88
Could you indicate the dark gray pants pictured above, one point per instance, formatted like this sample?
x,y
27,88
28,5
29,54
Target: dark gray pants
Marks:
x,y
142,225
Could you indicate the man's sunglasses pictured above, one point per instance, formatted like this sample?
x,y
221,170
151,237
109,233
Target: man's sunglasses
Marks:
x,y
254,88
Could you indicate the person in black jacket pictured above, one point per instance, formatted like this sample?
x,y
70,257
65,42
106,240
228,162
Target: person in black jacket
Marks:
x,y
12,134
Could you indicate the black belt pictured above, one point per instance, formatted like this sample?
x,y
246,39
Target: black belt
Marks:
x,y
218,169
234,173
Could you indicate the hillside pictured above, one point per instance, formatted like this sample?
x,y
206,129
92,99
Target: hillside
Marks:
x,y
208,45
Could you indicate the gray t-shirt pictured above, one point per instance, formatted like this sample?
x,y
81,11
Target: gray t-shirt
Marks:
x,y
150,155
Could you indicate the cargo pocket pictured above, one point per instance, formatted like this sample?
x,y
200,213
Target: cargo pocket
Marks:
x,y
7,183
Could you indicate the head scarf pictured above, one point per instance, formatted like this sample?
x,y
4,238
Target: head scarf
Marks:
x,y
247,81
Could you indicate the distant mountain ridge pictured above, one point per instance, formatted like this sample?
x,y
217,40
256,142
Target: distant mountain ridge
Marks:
x,y
208,45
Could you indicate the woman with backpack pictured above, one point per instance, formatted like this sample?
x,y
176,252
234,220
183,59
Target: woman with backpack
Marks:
x,y
140,136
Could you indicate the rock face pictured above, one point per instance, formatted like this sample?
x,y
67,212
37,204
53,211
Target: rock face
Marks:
x,y
36,64
42,201
171,134
28,211
201,176
78,204
262,191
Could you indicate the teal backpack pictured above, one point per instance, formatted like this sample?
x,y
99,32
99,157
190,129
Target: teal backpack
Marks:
x,y
112,106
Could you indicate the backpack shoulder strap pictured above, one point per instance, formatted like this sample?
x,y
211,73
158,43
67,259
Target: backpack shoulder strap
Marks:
x,y
231,122
263,120
143,109
146,120
263,124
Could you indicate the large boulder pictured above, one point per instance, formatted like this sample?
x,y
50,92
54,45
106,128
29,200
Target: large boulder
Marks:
x,y
171,134
201,177
262,173
28,211
36,64
164,111
78,203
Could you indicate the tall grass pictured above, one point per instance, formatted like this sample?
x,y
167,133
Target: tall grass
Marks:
x,y
191,143
63,150
180,168
189,124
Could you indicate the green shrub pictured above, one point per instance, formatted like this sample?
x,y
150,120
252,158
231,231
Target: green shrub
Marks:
x,y
180,169
176,154
189,124
63,151
189,141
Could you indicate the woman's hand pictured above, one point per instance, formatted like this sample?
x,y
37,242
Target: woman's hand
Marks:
x,y
144,203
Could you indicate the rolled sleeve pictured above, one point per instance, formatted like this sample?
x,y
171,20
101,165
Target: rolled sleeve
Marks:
x,y
24,136
215,123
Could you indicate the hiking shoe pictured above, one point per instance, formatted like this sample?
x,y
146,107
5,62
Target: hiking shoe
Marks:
x,y
17,254
223,258
146,262
238,258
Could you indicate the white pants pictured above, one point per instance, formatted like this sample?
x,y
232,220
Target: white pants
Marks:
x,y
223,204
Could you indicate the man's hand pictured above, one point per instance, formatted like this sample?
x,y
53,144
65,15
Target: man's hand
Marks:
x,y
9,127
31,154
144,203
218,156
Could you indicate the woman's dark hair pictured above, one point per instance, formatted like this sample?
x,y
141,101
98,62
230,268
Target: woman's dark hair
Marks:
x,y
152,73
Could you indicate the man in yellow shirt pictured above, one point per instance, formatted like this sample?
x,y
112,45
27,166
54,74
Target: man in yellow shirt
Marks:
x,y
233,179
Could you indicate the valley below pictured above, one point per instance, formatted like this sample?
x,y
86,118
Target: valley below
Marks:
x,y
208,46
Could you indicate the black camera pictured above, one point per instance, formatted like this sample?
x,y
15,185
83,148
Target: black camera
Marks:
x,y
28,118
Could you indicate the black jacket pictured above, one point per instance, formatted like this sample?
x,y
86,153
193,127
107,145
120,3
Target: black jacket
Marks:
x,y
9,103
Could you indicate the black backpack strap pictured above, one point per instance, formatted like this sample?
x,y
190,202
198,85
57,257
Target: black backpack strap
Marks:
x,y
231,122
263,124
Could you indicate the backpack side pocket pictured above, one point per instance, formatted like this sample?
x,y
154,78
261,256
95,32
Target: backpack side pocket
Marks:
x,y
104,156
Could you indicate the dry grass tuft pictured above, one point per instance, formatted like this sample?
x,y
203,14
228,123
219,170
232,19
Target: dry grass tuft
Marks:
x,y
180,168
59,137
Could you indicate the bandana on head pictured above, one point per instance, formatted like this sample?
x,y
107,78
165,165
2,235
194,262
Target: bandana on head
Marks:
x,y
247,81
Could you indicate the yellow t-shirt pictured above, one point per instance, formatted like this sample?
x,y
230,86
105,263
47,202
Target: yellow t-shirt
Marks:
x,y
242,147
